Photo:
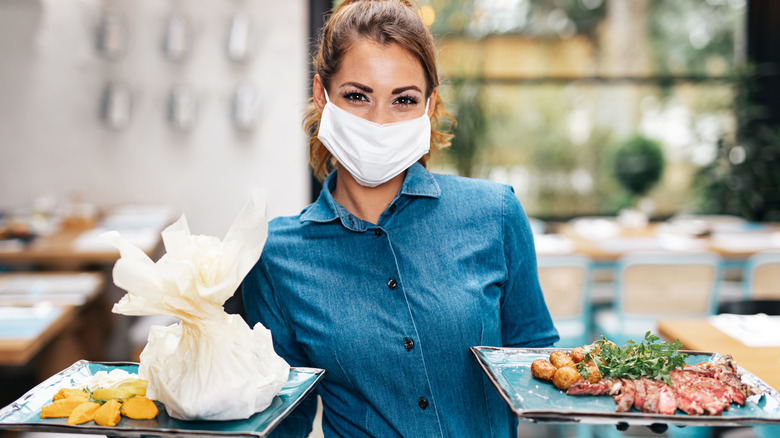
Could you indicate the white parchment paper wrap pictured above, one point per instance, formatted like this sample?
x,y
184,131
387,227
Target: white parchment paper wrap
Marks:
x,y
210,365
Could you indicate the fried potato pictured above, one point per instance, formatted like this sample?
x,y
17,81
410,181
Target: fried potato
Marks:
x,y
139,408
61,408
83,413
560,359
70,392
564,377
108,414
542,369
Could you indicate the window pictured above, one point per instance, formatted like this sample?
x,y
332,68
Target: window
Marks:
x,y
545,91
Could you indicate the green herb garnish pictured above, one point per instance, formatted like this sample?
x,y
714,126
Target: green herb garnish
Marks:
x,y
649,358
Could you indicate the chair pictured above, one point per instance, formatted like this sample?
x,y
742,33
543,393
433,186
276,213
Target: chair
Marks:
x,y
651,285
762,271
537,225
565,281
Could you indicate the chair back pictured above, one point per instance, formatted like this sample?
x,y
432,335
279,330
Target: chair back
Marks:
x,y
762,275
667,284
565,282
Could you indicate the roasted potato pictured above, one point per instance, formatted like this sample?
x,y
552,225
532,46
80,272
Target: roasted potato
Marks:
x,y
564,377
578,354
560,359
594,375
542,369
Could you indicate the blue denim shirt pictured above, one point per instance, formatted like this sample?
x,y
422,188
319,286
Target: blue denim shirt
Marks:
x,y
390,310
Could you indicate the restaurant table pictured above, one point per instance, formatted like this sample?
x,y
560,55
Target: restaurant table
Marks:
x,y
77,247
37,308
605,240
700,335
31,333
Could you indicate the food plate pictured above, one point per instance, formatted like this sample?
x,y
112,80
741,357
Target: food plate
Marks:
x,y
509,369
25,413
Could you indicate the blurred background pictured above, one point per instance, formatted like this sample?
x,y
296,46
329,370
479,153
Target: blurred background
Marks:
x,y
621,124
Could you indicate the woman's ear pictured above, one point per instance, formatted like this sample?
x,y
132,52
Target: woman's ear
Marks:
x,y
432,100
318,93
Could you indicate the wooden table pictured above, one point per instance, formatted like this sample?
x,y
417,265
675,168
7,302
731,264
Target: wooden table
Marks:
x,y
698,334
76,246
80,292
60,251
19,351
610,246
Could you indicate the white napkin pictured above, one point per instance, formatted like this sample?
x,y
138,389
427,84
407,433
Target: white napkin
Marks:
x,y
553,244
759,330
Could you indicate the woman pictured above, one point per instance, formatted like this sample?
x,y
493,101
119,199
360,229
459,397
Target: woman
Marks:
x,y
394,272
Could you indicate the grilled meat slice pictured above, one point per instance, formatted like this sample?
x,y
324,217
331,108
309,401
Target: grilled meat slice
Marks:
x,y
652,395
583,387
625,398
697,395
667,401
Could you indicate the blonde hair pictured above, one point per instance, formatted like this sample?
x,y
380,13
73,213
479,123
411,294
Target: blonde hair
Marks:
x,y
384,22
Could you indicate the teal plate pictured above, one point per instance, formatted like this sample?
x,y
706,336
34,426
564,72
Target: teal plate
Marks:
x,y
25,413
509,369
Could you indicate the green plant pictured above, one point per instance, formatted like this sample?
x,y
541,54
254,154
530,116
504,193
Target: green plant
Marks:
x,y
638,165
743,179
471,124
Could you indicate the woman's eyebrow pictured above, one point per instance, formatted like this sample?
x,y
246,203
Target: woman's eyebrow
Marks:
x,y
360,87
402,89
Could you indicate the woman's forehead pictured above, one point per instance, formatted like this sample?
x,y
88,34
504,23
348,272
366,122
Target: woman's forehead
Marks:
x,y
384,65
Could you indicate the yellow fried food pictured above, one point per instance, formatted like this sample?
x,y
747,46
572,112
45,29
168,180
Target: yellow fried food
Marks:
x,y
139,408
560,359
108,414
542,369
83,413
70,392
564,377
61,408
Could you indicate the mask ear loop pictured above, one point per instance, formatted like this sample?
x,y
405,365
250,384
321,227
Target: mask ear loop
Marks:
x,y
327,99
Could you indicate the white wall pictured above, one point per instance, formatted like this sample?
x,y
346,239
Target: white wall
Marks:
x,y
52,142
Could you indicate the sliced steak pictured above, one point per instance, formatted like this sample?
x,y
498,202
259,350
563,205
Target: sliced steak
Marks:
x,y
583,387
667,402
640,395
697,395
625,397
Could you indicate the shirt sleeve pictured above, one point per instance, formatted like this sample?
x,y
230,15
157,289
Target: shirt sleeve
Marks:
x,y
261,305
525,319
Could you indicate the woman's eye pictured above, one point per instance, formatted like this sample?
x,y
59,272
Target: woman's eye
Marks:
x,y
406,100
355,97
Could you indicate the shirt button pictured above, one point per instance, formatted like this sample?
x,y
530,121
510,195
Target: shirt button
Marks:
x,y
378,232
408,344
392,284
423,403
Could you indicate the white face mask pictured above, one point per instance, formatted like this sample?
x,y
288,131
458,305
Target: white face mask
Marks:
x,y
373,153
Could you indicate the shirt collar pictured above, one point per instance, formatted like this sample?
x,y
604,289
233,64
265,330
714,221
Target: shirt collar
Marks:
x,y
418,182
